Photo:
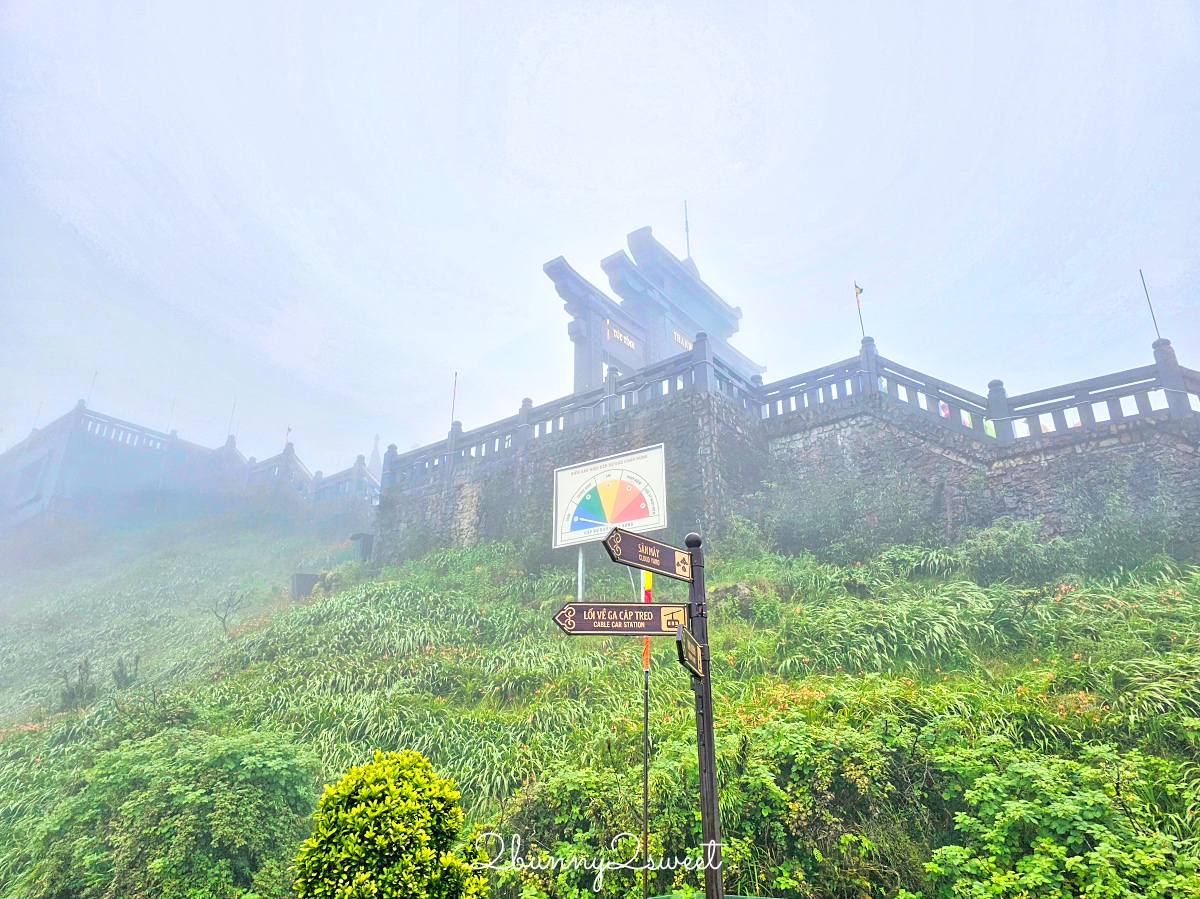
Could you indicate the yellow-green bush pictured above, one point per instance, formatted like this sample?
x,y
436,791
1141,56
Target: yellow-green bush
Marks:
x,y
387,829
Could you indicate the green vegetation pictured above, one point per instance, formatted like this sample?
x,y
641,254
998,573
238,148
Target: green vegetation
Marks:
x,y
178,815
387,828
69,632
1005,717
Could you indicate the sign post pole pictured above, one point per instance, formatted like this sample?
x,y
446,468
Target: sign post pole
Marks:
x,y
647,582
691,643
710,814
579,587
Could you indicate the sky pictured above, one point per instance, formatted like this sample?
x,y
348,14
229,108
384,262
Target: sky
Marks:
x,y
320,212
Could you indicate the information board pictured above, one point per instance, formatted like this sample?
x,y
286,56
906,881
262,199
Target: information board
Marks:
x,y
627,490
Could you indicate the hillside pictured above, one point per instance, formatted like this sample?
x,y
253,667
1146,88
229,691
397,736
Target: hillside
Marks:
x,y
912,721
143,594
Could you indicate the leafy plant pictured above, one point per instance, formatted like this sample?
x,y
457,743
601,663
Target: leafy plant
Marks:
x,y
80,691
180,815
1039,825
387,829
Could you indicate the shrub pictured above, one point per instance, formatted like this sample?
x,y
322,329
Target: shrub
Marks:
x,y
387,829
178,815
1010,550
1039,825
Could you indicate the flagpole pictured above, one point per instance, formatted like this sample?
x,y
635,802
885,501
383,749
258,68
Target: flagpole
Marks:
x,y
858,303
1153,318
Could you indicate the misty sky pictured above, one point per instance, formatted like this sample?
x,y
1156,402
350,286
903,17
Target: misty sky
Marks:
x,y
326,209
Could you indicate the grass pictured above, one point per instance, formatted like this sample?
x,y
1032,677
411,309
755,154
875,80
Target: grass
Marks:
x,y
843,693
147,596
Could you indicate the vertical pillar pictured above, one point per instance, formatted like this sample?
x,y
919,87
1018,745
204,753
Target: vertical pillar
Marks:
x,y
524,429
389,461
611,401
1171,377
868,363
999,412
589,357
452,441
704,377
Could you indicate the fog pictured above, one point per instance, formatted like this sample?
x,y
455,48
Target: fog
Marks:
x,y
324,211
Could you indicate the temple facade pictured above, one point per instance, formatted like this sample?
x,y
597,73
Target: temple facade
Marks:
x,y
663,304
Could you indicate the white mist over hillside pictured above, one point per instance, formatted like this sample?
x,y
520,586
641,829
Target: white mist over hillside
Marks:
x,y
325,212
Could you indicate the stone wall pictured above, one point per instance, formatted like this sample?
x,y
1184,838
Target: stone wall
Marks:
x,y
904,466
869,464
713,458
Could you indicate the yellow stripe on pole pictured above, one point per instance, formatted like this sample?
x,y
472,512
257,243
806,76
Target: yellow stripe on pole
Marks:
x,y
647,589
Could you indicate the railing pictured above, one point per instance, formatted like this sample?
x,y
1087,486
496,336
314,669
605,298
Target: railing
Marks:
x,y
123,432
814,390
1191,386
953,407
652,384
991,419
746,394
1126,394
871,374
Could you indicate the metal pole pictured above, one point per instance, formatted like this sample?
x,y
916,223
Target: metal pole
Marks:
x,y
647,584
710,811
645,782
858,303
579,589
1157,332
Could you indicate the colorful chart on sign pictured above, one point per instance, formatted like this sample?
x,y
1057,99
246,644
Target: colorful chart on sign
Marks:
x,y
628,490
615,497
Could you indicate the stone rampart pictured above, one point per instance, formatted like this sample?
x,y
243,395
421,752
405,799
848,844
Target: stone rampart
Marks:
x,y
865,436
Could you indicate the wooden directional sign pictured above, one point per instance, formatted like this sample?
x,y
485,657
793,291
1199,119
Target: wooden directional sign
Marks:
x,y
691,656
658,619
641,552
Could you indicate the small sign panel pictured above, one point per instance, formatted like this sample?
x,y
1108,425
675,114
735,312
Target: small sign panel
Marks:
x,y
628,490
691,656
617,618
641,552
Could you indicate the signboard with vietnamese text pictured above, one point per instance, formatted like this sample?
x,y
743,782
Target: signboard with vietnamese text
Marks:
x,y
628,490
641,552
622,618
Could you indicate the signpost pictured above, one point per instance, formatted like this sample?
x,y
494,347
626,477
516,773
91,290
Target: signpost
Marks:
x,y
628,490
636,551
710,813
689,625
618,618
691,644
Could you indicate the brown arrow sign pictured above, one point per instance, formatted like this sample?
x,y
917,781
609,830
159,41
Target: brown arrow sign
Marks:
x,y
691,656
657,619
637,551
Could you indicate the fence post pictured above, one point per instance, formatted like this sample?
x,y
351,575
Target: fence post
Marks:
x,y
999,412
757,397
1171,378
868,363
703,374
452,440
610,391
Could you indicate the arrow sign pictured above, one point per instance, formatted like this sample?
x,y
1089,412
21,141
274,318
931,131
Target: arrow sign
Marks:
x,y
636,551
658,619
691,656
